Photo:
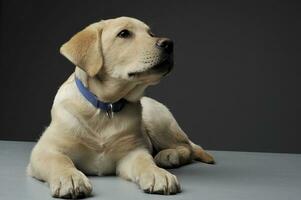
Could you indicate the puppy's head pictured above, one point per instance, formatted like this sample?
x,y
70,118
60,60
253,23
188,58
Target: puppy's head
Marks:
x,y
123,48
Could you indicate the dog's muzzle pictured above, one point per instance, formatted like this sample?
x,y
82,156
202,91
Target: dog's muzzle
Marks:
x,y
165,44
165,66
166,63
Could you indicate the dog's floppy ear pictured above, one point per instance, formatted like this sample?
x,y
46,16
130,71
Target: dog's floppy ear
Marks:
x,y
84,49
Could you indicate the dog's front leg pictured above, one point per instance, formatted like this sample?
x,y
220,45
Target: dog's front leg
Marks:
x,y
139,167
58,170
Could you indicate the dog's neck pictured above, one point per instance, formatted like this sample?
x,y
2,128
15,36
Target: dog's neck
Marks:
x,y
111,89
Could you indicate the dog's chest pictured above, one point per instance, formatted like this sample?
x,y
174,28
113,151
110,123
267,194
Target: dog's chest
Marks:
x,y
109,140
97,164
104,164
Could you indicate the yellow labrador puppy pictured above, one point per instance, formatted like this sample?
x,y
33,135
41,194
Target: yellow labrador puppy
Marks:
x,y
102,125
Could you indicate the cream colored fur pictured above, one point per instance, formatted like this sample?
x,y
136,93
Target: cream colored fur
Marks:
x,y
83,140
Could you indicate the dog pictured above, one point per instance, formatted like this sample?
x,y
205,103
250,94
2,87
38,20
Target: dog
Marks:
x,y
102,124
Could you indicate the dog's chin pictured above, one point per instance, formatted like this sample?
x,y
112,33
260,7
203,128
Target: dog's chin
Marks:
x,y
161,69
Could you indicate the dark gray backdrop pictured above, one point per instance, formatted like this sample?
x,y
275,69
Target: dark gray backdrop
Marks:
x,y
234,86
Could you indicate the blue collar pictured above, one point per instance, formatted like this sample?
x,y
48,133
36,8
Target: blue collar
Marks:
x,y
109,108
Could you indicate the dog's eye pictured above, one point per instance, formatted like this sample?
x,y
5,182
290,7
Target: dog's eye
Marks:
x,y
124,34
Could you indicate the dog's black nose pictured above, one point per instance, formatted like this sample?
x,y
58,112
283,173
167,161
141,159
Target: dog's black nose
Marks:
x,y
166,44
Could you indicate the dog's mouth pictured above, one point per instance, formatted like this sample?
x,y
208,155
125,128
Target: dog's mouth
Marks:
x,y
163,68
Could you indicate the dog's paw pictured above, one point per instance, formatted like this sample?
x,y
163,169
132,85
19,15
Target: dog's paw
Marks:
x,y
73,184
159,181
168,158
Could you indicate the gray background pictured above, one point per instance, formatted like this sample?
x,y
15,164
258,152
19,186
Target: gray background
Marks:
x,y
234,86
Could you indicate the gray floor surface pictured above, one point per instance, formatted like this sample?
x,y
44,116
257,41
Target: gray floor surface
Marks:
x,y
236,176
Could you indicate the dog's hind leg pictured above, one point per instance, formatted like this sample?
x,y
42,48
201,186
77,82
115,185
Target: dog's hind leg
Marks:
x,y
172,145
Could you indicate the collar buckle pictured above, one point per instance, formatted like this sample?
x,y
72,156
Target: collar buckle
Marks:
x,y
110,112
108,108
